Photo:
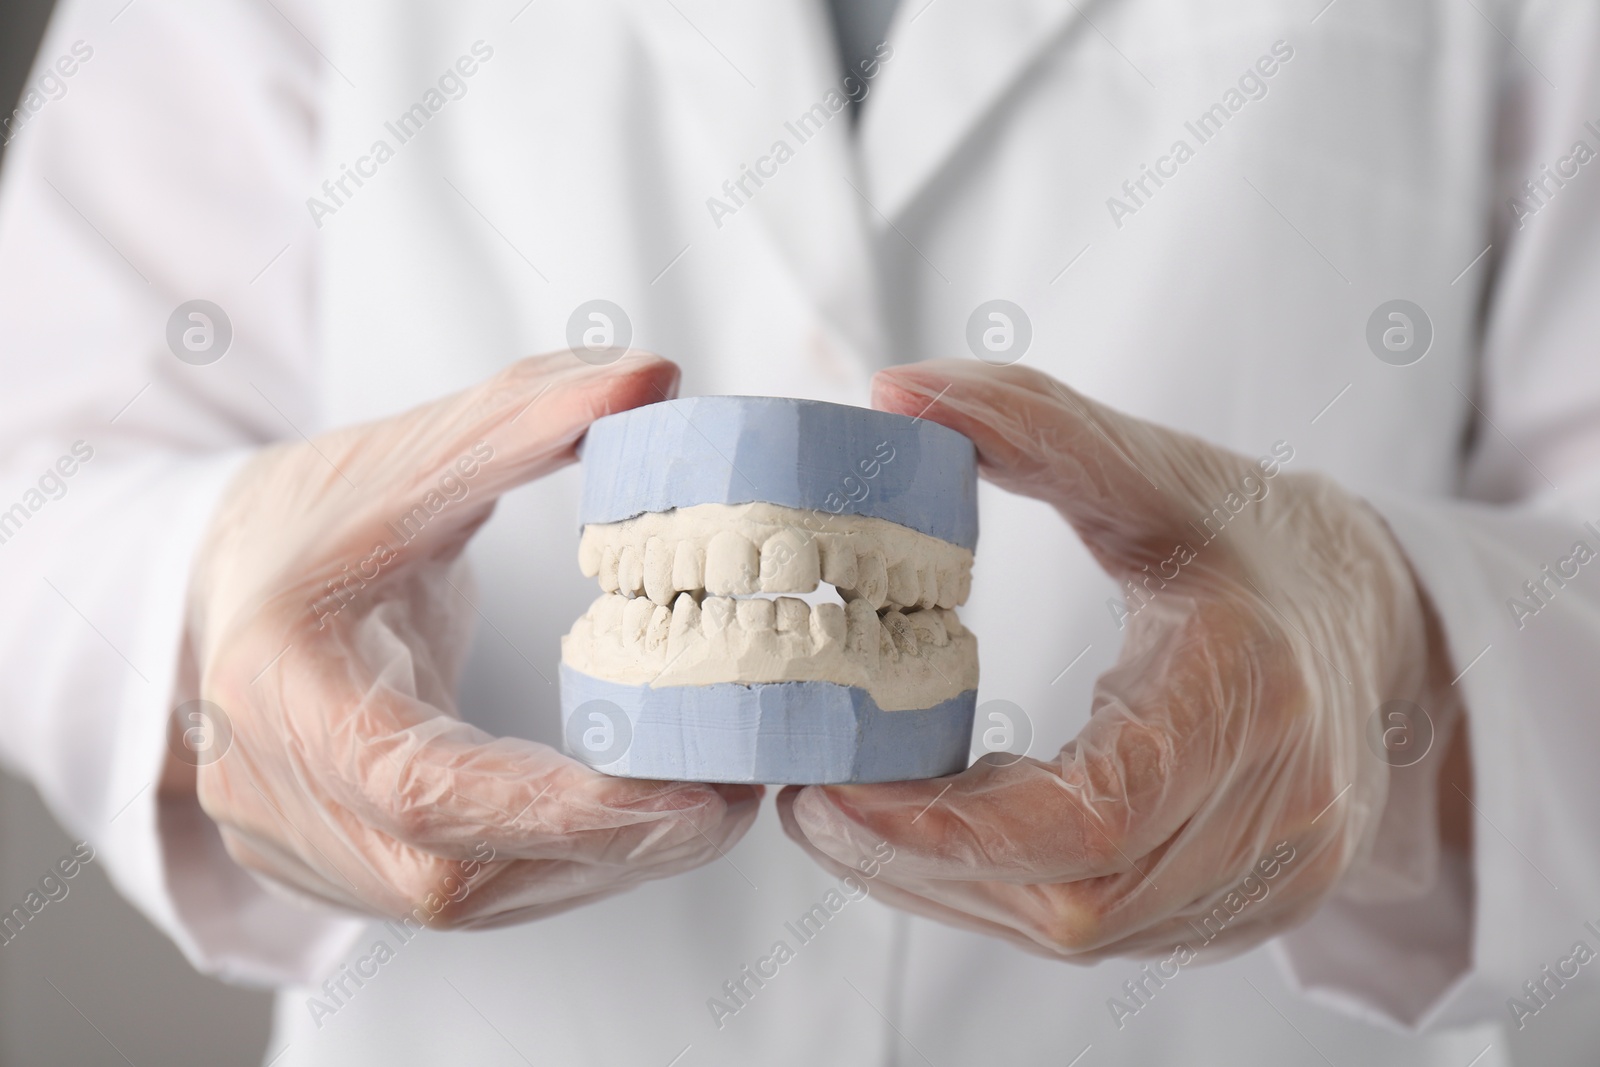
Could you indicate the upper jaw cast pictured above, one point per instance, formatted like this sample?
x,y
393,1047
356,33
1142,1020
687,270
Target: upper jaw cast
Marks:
x,y
744,549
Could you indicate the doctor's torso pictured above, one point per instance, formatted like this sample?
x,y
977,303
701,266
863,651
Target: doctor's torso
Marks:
x,y
1196,230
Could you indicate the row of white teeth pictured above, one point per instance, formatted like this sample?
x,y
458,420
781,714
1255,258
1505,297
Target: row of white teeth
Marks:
x,y
784,626
683,603
924,573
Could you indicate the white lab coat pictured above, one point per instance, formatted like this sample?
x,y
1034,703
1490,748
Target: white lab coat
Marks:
x,y
1231,302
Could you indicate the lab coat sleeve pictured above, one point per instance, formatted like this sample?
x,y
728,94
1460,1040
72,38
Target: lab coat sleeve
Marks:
x,y
161,153
1513,571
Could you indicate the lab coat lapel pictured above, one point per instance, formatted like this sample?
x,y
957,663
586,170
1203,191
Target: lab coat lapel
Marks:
x,y
953,62
752,72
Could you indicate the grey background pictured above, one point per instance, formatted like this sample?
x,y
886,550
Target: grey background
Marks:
x,y
123,993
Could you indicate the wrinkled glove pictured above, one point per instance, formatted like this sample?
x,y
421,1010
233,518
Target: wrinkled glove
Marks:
x,y
1222,786
330,617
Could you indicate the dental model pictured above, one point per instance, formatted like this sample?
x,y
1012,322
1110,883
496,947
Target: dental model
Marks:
x,y
705,520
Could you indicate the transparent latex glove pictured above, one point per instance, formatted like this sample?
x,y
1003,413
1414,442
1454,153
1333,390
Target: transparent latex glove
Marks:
x,y
1224,764
349,776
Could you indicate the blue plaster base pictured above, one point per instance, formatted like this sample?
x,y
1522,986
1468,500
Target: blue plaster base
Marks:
x,y
802,454
783,733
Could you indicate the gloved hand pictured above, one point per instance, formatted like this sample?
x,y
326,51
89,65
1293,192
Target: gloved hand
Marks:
x,y
349,776
1225,750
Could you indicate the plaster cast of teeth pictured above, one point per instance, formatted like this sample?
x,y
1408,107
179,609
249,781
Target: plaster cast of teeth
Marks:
x,y
926,579
699,515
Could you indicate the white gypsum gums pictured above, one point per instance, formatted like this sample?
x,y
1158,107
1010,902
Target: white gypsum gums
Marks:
x,y
670,614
